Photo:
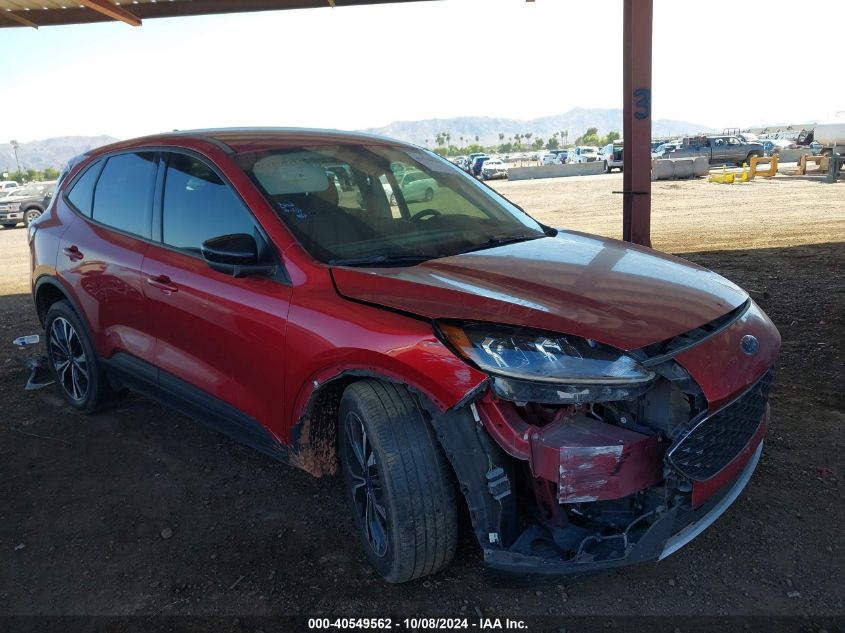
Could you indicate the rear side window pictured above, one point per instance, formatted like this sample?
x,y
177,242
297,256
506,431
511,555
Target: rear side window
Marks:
x,y
198,205
81,195
123,196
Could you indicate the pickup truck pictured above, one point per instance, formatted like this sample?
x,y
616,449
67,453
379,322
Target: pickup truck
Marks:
x,y
717,149
26,204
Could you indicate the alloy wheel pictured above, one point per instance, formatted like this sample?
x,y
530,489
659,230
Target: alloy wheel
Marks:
x,y
69,360
31,216
365,481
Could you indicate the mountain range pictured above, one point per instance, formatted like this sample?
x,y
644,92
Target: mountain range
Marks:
x,y
55,152
51,152
487,129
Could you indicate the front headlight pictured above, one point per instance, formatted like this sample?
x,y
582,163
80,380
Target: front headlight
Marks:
x,y
14,206
533,366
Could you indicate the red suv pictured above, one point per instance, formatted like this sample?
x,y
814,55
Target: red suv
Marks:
x,y
592,402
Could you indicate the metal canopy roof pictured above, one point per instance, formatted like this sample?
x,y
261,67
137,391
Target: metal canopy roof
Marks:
x,y
35,13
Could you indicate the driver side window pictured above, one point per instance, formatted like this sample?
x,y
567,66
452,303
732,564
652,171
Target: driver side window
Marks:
x,y
198,205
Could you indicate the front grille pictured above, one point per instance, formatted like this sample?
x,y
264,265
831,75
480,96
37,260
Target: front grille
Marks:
x,y
712,443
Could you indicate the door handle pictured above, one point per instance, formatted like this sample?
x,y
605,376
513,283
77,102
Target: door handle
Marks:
x,y
73,253
162,282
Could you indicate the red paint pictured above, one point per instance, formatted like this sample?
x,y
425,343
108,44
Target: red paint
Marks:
x,y
620,294
719,365
588,459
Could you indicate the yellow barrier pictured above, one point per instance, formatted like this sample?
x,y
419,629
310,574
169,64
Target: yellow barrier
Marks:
x,y
821,161
723,178
767,173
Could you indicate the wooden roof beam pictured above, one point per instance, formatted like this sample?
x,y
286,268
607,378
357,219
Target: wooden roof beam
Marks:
x,y
16,18
112,10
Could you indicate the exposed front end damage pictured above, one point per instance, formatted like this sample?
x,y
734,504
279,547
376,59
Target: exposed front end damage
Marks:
x,y
569,488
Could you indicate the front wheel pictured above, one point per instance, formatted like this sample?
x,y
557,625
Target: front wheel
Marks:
x,y
429,194
397,481
31,216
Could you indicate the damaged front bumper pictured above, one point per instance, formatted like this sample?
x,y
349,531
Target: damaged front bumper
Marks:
x,y
666,535
589,495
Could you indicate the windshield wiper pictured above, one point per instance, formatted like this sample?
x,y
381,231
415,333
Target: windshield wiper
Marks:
x,y
381,260
501,240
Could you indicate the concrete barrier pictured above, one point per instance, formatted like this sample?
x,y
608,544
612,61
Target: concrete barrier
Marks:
x,y
684,168
793,155
556,171
662,169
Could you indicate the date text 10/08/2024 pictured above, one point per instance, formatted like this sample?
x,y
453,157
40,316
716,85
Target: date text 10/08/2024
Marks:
x,y
416,624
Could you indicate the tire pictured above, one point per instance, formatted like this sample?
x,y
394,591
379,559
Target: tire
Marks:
x,y
406,488
30,216
429,194
750,156
82,382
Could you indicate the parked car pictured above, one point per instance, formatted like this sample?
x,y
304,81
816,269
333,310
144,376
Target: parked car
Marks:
x,y
593,403
6,185
663,149
555,157
477,162
26,204
775,145
583,154
611,156
415,185
471,159
494,168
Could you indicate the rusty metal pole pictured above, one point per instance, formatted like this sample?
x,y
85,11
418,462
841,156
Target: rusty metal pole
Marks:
x,y
636,58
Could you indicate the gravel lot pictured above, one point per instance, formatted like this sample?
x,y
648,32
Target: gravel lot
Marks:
x,y
140,511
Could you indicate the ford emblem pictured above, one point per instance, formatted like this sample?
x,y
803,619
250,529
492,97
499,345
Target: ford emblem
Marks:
x,y
749,344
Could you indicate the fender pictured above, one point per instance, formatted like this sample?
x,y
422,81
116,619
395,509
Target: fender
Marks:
x,y
55,282
314,422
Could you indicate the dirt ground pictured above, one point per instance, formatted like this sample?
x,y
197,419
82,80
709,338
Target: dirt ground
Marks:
x,y
85,501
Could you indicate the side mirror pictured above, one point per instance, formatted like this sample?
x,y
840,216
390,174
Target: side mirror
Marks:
x,y
236,255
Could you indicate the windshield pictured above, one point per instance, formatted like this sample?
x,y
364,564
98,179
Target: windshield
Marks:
x,y
32,190
400,204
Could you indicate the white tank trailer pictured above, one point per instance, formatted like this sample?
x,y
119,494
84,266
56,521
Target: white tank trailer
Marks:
x,y
831,134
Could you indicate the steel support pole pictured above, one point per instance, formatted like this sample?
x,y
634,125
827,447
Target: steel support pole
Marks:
x,y
636,80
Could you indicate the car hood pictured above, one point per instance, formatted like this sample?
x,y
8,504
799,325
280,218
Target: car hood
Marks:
x,y
614,292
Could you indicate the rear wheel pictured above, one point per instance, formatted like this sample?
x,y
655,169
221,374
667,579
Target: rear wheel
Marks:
x,y
397,481
73,360
429,194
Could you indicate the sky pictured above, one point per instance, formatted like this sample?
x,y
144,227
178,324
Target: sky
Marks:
x,y
717,63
